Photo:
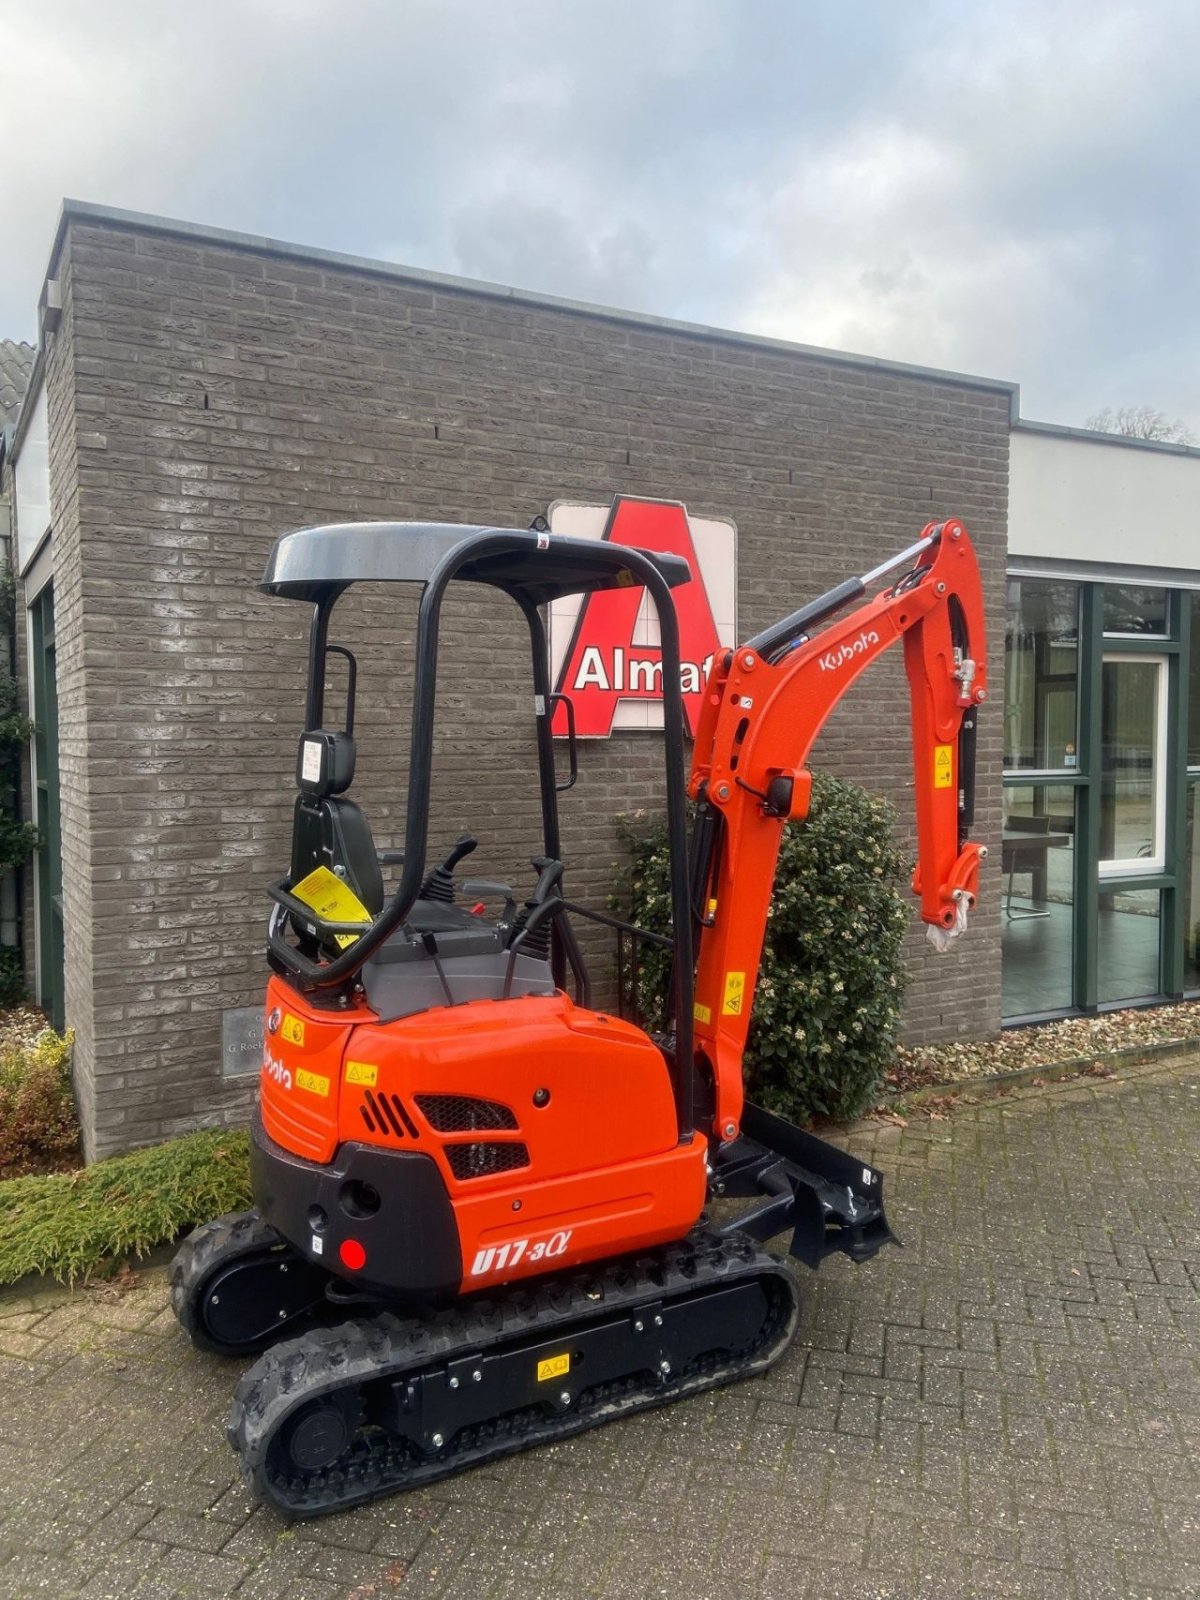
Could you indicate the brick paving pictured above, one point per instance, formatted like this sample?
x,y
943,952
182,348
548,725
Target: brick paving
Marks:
x,y
1008,1407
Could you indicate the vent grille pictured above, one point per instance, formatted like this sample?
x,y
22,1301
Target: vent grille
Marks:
x,y
483,1160
457,1113
386,1113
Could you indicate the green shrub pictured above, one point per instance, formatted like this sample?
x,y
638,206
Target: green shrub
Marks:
x,y
12,977
69,1223
38,1126
827,1003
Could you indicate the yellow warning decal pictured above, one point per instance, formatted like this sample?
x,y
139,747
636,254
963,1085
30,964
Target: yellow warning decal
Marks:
x,y
735,993
312,1081
943,766
333,900
292,1029
554,1367
363,1072
702,1013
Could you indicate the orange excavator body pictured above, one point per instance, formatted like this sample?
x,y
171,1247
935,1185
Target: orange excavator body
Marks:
x,y
479,1198
546,1070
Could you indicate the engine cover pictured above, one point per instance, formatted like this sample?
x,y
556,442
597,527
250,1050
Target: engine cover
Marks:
x,y
551,1128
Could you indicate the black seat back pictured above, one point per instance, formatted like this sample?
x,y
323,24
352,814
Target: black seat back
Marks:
x,y
328,830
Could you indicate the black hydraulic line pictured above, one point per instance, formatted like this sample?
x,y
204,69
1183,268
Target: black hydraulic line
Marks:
x,y
782,635
708,833
777,640
967,730
966,775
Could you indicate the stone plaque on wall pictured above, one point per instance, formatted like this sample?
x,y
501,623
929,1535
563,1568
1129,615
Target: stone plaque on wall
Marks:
x,y
241,1041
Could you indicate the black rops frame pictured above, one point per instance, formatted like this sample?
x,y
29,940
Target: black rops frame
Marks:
x,y
507,559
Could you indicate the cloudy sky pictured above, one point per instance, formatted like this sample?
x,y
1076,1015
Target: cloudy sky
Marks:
x,y
1003,188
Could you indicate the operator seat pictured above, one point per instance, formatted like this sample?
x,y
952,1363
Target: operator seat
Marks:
x,y
328,830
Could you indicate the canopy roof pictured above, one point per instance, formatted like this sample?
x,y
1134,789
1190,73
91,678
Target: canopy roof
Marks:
x,y
317,563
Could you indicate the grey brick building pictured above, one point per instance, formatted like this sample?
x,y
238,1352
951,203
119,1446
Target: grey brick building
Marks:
x,y
196,393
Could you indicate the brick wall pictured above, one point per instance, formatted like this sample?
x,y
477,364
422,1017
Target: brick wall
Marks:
x,y
223,395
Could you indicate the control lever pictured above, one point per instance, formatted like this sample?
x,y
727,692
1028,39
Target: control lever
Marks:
x,y
485,889
538,943
439,885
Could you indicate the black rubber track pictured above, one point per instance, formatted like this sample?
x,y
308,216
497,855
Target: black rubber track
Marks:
x,y
206,1251
377,1463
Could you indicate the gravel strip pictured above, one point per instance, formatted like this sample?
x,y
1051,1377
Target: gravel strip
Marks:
x,y
1073,1039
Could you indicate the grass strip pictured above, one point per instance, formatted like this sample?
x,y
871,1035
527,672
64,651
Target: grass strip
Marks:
x,y
68,1224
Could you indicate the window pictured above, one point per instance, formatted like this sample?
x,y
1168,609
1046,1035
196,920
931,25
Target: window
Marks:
x,y
1130,609
1041,649
31,480
1127,954
1038,860
1133,765
1101,830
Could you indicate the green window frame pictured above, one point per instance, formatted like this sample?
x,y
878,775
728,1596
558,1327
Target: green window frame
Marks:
x,y
1176,647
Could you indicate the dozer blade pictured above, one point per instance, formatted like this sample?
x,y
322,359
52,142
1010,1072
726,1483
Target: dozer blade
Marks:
x,y
831,1202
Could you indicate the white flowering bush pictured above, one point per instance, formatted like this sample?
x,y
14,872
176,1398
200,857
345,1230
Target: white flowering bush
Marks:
x,y
830,982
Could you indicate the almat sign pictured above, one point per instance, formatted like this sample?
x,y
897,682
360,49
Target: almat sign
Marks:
x,y
604,664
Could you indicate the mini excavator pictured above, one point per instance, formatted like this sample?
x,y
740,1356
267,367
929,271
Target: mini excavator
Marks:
x,y
480,1214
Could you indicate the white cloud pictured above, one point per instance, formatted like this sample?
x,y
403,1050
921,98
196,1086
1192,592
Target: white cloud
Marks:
x,y
1007,189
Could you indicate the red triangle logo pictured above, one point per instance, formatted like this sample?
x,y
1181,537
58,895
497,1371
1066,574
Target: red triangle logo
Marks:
x,y
603,665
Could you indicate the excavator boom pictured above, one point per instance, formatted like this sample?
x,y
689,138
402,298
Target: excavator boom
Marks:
x,y
765,704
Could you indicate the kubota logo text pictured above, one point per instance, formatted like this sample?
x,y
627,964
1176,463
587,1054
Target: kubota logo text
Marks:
x,y
275,1069
833,659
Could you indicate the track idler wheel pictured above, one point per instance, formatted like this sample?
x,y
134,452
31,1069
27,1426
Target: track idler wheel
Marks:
x,y
237,1287
318,1434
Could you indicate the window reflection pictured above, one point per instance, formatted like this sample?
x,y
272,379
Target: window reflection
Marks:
x,y
1131,608
1127,959
1132,797
1041,649
1038,860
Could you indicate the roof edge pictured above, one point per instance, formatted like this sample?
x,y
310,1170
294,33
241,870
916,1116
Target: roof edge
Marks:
x,y
147,222
1059,430
28,402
